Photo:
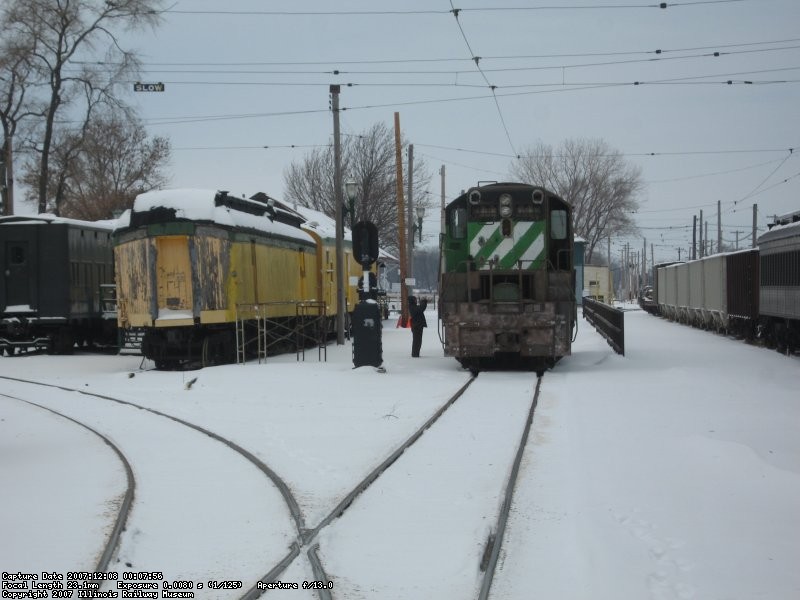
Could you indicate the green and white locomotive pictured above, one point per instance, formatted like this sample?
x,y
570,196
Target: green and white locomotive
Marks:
x,y
507,283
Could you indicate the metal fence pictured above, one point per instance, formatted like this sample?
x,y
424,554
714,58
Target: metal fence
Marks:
x,y
609,321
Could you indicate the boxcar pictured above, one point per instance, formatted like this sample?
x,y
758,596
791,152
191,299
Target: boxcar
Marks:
x,y
51,293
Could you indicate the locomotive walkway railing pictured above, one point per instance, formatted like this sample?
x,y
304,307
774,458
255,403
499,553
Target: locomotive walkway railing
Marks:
x,y
609,321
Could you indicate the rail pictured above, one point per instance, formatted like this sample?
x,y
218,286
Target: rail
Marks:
x,y
609,321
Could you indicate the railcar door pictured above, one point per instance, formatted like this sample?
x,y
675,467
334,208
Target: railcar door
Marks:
x,y
17,275
174,276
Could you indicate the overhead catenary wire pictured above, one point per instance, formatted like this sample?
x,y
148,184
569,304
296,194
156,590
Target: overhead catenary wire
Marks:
x,y
658,51
450,72
493,88
411,12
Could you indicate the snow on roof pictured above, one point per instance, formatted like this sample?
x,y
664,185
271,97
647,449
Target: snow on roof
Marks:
x,y
325,227
199,205
47,218
789,229
319,222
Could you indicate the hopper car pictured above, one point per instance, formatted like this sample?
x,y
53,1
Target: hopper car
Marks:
x,y
507,281
753,294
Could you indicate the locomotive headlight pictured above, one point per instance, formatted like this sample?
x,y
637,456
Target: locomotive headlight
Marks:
x,y
505,206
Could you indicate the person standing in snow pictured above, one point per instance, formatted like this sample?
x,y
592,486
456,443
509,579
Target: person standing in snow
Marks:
x,y
417,314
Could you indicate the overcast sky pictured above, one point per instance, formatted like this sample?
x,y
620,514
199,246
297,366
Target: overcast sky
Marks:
x,y
243,74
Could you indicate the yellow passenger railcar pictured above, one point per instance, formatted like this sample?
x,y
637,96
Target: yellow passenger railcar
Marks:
x,y
189,261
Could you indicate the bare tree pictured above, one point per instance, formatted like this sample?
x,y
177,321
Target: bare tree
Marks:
x,y
16,81
369,159
596,180
66,31
99,169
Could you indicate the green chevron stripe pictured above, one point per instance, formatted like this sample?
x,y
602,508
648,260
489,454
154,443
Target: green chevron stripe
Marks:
x,y
509,251
523,245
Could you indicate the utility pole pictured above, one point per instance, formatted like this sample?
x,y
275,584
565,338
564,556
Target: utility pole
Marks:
x,y
401,229
7,177
694,238
644,263
610,275
755,218
337,184
410,210
442,229
702,243
737,232
719,226
706,250
443,224
622,274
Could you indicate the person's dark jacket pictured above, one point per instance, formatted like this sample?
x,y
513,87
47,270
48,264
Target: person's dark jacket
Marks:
x,y
417,312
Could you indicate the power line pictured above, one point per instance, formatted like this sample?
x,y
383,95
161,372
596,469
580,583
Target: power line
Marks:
x,y
755,189
449,72
396,104
493,88
755,166
450,59
347,13
655,153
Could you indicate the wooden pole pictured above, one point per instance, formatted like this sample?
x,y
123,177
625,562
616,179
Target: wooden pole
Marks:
x,y
337,194
401,230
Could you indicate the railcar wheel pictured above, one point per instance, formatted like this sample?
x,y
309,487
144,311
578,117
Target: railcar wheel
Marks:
x,y
217,349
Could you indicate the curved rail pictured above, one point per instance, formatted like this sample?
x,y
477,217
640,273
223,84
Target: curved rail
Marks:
x,y
306,537
283,488
124,510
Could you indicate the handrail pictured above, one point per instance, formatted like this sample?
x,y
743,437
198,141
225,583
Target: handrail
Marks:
x,y
608,321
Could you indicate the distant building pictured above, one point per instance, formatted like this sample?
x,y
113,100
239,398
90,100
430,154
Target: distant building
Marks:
x,y
597,283
578,250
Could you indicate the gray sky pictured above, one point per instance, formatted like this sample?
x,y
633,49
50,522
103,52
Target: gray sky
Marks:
x,y
254,73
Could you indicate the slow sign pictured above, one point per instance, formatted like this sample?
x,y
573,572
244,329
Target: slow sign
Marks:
x,y
148,87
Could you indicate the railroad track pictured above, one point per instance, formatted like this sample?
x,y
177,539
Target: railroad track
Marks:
x,y
119,541
442,487
127,499
307,538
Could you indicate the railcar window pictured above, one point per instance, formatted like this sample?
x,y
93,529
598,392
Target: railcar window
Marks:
x,y
458,223
558,224
17,255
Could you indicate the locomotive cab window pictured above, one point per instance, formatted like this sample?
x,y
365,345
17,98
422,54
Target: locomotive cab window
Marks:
x,y
558,224
458,223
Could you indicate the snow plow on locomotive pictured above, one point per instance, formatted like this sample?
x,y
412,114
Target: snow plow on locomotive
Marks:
x,y
507,282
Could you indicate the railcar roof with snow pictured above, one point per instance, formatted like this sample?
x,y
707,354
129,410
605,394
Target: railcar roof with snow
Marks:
x,y
222,208
47,218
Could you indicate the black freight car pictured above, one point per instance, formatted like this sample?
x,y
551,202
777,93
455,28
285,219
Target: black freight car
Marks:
x,y
50,292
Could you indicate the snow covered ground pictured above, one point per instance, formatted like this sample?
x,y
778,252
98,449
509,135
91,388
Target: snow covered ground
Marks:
x,y
673,472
